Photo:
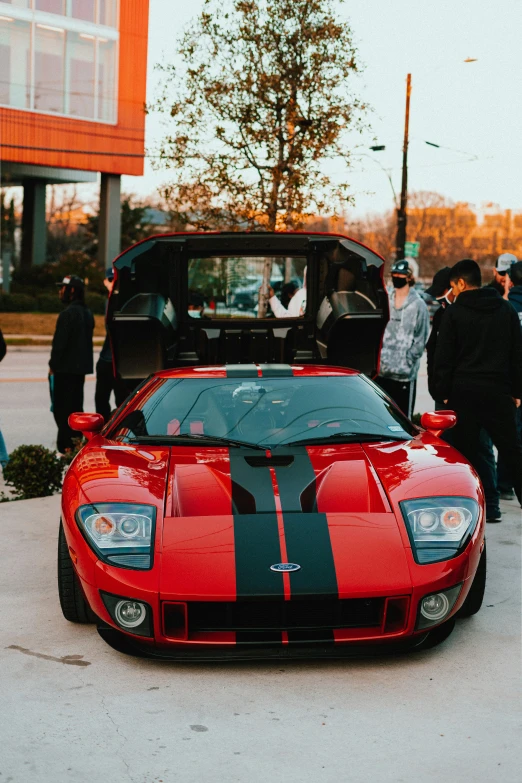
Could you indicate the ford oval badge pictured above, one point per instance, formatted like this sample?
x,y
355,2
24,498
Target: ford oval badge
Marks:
x,y
285,567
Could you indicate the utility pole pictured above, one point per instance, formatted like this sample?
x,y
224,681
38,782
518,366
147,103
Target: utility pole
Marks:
x,y
401,212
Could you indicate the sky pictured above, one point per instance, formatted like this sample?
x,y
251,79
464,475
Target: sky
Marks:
x,y
472,110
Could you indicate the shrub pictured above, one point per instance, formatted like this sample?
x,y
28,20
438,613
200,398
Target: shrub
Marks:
x,y
96,303
17,303
416,419
34,472
48,303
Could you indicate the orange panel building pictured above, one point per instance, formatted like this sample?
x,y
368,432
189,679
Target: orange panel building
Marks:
x,y
72,103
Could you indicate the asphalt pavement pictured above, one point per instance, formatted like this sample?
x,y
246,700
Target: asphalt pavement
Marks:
x,y
75,711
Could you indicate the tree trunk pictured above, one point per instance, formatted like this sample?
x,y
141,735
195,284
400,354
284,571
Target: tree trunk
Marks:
x,y
263,291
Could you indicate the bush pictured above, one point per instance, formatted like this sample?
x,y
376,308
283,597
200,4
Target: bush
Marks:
x,y
48,303
34,472
17,303
96,302
416,419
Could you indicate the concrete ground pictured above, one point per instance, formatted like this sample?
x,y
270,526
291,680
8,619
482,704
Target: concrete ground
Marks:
x,y
73,710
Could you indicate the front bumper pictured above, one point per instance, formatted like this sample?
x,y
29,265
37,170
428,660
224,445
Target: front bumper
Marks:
x,y
124,643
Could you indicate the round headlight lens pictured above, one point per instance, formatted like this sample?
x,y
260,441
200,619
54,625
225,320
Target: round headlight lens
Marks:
x,y
104,526
452,518
427,520
434,607
129,526
129,614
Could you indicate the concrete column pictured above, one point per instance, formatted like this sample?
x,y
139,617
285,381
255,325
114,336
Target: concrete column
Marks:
x,y
34,227
109,229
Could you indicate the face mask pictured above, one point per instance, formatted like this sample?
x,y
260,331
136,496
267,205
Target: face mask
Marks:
x,y
399,282
443,300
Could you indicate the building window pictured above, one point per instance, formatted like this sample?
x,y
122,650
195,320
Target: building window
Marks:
x,y
80,74
84,9
108,12
19,3
15,63
63,66
106,78
49,68
50,6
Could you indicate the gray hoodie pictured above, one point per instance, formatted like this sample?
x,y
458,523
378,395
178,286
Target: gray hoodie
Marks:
x,y
405,337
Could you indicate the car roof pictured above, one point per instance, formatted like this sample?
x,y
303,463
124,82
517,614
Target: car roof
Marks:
x,y
257,371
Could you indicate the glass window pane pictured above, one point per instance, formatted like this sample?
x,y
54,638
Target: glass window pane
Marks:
x,y
106,80
83,9
108,13
229,287
49,69
18,3
80,73
15,63
51,6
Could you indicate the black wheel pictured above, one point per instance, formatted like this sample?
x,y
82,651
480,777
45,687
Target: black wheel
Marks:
x,y
437,635
475,596
74,606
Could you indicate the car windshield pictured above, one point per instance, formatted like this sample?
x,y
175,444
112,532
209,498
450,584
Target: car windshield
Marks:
x,y
265,412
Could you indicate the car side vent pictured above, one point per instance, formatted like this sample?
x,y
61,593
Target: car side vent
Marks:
x,y
308,498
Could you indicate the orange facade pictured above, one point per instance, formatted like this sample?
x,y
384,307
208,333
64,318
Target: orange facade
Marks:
x,y
64,142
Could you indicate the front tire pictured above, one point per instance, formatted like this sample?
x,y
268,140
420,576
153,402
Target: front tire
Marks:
x,y
72,601
475,596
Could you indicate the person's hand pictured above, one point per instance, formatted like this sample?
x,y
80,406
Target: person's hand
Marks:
x,y
445,402
50,373
271,292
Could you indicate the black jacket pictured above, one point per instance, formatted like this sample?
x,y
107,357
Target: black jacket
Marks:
x,y
515,298
3,347
72,342
479,345
431,346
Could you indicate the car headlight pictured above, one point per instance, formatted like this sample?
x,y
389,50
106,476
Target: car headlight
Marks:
x,y
439,528
120,533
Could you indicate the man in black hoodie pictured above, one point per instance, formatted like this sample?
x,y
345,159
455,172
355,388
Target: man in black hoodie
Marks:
x,y
71,358
478,368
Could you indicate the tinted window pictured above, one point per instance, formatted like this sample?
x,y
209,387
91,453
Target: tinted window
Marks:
x,y
271,411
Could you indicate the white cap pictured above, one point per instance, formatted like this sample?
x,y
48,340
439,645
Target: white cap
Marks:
x,y
504,262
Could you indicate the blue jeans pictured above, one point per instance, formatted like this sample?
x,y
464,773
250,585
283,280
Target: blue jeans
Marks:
x,y
504,478
4,456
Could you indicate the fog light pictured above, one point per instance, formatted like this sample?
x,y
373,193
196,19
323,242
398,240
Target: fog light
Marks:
x,y
129,614
435,607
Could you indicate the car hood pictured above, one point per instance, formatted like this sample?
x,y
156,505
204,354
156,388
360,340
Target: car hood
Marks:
x,y
231,514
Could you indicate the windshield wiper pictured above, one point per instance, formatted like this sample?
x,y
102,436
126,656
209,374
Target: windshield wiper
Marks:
x,y
189,439
344,437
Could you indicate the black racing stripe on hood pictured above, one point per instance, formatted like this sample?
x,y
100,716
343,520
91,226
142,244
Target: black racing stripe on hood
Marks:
x,y
276,371
241,370
306,534
256,535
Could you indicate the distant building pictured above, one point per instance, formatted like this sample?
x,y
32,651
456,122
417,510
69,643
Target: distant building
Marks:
x,y
72,103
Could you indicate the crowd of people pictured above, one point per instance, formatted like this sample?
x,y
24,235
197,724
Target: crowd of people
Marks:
x,y
474,357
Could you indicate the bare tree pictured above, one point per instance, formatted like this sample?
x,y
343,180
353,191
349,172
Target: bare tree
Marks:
x,y
263,100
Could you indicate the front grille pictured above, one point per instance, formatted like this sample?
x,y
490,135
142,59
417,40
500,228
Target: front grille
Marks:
x,y
305,615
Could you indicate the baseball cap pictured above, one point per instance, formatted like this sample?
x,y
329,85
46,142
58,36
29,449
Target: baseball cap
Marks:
x,y
401,267
73,280
440,283
504,261
109,273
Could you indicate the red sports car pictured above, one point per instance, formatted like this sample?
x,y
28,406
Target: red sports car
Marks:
x,y
268,510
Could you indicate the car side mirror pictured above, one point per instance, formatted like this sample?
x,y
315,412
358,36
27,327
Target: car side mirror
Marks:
x,y
86,423
438,421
